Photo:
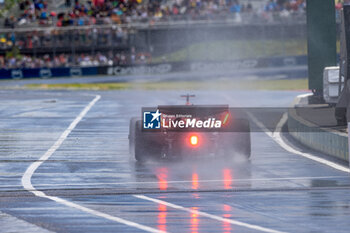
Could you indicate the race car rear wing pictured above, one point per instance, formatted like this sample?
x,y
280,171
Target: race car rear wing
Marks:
x,y
193,110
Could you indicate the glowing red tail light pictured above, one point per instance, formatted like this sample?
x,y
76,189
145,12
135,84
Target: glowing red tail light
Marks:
x,y
194,140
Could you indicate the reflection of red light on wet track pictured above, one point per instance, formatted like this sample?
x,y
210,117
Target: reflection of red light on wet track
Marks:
x,y
194,221
162,207
227,179
226,227
162,175
227,208
162,217
195,183
195,195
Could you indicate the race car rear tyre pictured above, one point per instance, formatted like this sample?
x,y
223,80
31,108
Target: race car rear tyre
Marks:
x,y
140,146
244,146
241,140
132,130
146,144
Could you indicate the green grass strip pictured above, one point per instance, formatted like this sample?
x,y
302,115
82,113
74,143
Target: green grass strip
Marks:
x,y
293,84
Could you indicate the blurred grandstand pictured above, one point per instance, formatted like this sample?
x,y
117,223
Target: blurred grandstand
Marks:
x,y
47,33
44,13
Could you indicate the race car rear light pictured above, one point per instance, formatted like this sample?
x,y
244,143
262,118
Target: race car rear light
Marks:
x,y
194,140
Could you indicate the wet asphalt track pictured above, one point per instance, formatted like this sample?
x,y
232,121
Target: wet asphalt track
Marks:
x,y
276,190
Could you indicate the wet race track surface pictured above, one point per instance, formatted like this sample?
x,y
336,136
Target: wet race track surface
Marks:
x,y
65,167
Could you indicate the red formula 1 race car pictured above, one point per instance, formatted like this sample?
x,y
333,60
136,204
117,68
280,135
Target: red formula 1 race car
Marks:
x,y
186,131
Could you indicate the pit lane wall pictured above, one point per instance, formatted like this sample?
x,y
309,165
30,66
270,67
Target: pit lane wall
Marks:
x,y
327,141
160,68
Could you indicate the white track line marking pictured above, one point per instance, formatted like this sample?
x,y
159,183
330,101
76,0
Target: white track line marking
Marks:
x,y
27,183
281,141
276,136
211,216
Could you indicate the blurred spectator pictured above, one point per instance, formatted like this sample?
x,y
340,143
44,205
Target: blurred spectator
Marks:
x,y
128,11
68,60
271,6
10,22
63,38
236,7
